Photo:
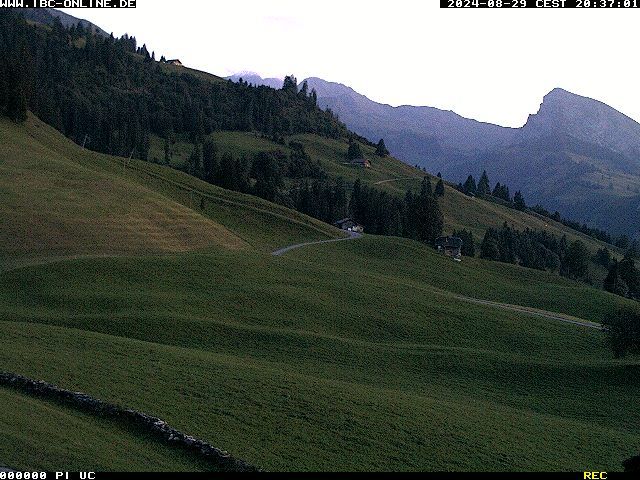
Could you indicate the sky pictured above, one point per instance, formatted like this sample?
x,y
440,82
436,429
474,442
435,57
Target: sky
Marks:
x,y
493,65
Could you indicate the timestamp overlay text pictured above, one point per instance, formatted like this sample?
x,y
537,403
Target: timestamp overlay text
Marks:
x,y
590,4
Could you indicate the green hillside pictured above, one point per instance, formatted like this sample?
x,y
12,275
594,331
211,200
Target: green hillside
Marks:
x,y
61,200
388,174
360,355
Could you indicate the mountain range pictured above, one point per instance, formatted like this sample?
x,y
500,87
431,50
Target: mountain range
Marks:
x,y
576,155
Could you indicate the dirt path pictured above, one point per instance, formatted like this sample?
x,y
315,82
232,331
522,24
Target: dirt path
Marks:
x,y
352,236
396,180
560,317
533,311
282,251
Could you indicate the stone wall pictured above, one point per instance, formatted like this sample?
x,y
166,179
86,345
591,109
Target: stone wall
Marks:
x,y
218,458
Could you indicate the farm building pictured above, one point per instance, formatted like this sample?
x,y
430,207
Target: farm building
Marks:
x,y
175,62
361,162
450,246
349,225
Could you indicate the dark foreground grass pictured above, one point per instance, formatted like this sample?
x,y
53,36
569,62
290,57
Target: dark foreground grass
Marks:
x,y
293,364
46,436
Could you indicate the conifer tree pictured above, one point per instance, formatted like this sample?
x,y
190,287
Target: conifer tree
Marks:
x,y
518,201
304,90
468,244
290,84
381,149
209,161
483,185
354,152
614,283
469,186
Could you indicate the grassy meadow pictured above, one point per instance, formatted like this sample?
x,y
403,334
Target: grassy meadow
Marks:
x,y
356,355
291,364
37,433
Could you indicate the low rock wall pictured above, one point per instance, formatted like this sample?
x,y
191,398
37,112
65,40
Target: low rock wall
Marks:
x,y
156,426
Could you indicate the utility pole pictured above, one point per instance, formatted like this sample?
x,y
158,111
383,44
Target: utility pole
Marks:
x,y
126,163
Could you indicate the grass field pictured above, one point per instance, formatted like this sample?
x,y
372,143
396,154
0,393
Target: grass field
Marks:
x,y
292,364
45,435
57,199
347,356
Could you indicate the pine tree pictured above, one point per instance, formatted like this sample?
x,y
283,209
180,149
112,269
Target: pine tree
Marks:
x,y
469,186
290,84
614,283
268,176
354,152
304,90
518,201
468,244
483,185
428,217
381,149
489,248
623,333
426,189
195,162
577,260
356,204
631,275
209,161
17,105
440,188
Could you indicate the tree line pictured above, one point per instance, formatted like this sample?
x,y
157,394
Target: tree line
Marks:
x,y
483,189
501,193
623,276
112,93
538,250
297,181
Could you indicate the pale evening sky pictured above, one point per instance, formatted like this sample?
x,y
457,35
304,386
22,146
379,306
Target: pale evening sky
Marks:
x,y
491,65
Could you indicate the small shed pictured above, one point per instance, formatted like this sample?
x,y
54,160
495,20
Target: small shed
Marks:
x,y
450,246
175,62
349,225
361,162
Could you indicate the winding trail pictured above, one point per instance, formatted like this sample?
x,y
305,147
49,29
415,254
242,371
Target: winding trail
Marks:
x,y
535,312
282,251
396,180
354,236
